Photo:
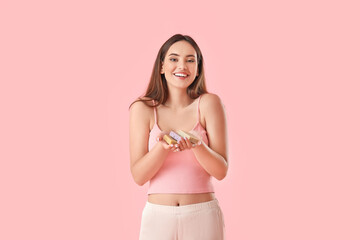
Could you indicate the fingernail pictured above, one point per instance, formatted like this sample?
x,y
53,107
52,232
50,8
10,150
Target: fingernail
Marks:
x,y
176,145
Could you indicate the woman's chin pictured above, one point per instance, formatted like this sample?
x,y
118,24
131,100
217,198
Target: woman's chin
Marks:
x,y
180,84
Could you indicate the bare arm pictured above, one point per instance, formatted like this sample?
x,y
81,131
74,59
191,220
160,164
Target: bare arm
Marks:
x,y
144,164
213,158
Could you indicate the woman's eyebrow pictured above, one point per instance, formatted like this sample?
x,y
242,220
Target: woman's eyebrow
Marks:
x,y
175,54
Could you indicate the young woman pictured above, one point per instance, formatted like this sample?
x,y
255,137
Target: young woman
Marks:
x,y
181,202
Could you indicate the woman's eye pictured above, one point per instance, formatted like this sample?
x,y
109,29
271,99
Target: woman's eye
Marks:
x,y
174,59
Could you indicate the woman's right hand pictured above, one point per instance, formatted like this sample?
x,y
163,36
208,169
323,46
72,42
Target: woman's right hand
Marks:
x,y
171,147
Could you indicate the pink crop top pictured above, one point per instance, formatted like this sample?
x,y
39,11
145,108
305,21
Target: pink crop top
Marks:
x,y
181,172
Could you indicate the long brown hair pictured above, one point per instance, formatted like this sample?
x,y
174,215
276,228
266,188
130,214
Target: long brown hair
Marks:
x,y
158,90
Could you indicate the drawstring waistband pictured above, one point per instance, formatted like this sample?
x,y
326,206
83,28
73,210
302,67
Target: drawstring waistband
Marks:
x,y
184,208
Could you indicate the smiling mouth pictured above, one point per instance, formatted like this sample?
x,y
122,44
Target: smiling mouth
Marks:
x,y
181,75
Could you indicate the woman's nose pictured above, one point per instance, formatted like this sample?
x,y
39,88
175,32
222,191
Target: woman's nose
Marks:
x,y
182,64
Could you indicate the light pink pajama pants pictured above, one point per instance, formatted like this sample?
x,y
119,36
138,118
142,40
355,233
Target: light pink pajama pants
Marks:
x,y
200,221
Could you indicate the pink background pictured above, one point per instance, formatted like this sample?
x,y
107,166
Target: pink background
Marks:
x,y
287,72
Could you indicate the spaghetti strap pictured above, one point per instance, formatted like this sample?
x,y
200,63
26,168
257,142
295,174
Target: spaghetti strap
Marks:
x,y
198,108
155,112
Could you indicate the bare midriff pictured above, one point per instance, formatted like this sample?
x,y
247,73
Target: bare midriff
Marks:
x,y
179,199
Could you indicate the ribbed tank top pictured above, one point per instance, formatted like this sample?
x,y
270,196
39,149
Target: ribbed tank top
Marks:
x,y
180,172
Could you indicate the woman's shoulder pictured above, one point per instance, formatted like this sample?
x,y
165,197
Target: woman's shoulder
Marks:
x,y
140,107
211,105
210,99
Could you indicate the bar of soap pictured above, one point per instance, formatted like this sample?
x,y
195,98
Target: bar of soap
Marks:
x,y
169,139
175,136
191,137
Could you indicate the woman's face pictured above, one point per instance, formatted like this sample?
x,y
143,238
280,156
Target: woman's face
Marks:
x,y
180,60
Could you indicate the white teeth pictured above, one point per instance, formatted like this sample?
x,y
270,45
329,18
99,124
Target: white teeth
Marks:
x,y
180,75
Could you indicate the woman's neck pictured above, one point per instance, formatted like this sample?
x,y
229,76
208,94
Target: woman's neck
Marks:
x,y
178,99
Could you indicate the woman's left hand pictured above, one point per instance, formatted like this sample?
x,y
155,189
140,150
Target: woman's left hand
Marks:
x,y
185,143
